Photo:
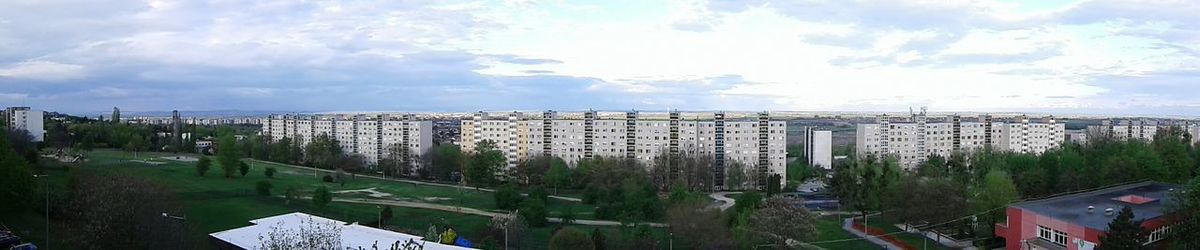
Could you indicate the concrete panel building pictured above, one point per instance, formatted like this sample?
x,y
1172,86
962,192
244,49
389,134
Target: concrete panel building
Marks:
x,y
371,136
818,148
29,120
755,141
913,140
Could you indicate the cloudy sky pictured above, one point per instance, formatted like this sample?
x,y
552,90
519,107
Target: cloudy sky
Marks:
x,y
1089,56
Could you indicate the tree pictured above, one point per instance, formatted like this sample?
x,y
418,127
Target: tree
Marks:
x,y
243,168
773,184
445,160
568,215
321,196
1185,233
123,212
923,199
571,238
227,154
859,183
534,212
510,227
269,172
1124,232
507,197
996,191
695,221
779,221
735,175
16,178
484,164
263,188
598,239
203,165
323,152
559,175
386,214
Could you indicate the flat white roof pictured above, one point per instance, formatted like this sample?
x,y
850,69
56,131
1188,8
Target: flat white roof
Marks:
x,y
353,235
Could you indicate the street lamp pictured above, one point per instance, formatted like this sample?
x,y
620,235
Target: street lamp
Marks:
x,y
47,192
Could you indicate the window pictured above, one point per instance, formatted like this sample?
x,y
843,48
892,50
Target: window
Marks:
x,y
1058,237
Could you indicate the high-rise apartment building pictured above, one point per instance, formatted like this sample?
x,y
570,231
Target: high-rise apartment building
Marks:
x,y
24,118
911,141
818,148
756,140
371,136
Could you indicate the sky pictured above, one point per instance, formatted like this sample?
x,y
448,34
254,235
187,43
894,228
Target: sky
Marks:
x,y
1054,56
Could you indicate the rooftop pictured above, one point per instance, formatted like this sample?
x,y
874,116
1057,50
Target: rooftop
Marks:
x,y
353,235
1147,199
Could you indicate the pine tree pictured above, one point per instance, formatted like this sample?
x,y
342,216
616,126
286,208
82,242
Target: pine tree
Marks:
x,y
1124,232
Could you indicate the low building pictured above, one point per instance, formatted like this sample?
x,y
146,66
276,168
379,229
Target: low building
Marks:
x,y
353,235
1076,221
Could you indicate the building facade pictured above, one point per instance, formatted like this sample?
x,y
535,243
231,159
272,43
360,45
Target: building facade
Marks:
x,y
912,141
756,141
24,118
373,137
818,148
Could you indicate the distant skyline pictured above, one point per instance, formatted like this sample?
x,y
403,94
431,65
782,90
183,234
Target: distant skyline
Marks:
x,y
1057,56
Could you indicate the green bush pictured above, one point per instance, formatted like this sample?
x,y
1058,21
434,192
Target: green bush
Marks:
x,y
534,212
269,172
321,196
243,168
203,165
263,187
327,178
507,197
571,238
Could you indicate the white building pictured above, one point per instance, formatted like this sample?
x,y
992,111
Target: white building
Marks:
x,y
914,140
818,148
351,236
24,118
369,136
756,141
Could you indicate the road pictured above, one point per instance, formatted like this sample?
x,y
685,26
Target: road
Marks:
x,y
472,211
723,197
573,199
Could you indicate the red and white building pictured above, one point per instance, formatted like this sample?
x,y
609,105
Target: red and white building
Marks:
x,y
1076,221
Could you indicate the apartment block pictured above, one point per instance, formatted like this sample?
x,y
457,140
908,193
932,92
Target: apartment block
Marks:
x,y
754,140
913,140
371,136
818,148
24,118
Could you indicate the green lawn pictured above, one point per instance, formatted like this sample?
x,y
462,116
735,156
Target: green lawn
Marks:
x,y
215,203
830,228
915,240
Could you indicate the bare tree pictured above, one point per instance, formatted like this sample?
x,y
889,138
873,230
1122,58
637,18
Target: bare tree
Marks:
x,y
123,212
311,235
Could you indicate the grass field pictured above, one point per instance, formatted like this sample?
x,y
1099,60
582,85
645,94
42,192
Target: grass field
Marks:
x,y
214,203
830,228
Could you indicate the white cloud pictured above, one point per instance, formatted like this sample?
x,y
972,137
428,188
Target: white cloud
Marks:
x,y
44,71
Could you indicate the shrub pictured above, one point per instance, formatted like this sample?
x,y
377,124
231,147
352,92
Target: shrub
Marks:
x,y
571,238
534,212
507,197
327,178
263,187
243,168
568,215
539,192
203,165
321,196
269,172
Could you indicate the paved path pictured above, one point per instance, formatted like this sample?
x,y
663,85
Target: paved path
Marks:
x,y
848,225
403,180
723,197
472,211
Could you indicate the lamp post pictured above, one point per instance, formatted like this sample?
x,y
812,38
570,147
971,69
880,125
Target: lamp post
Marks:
x,y
46,190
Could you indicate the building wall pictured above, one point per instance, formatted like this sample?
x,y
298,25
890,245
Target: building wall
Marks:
x,y
27,119
609,138
819,149
1023,225
906,142
370,137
